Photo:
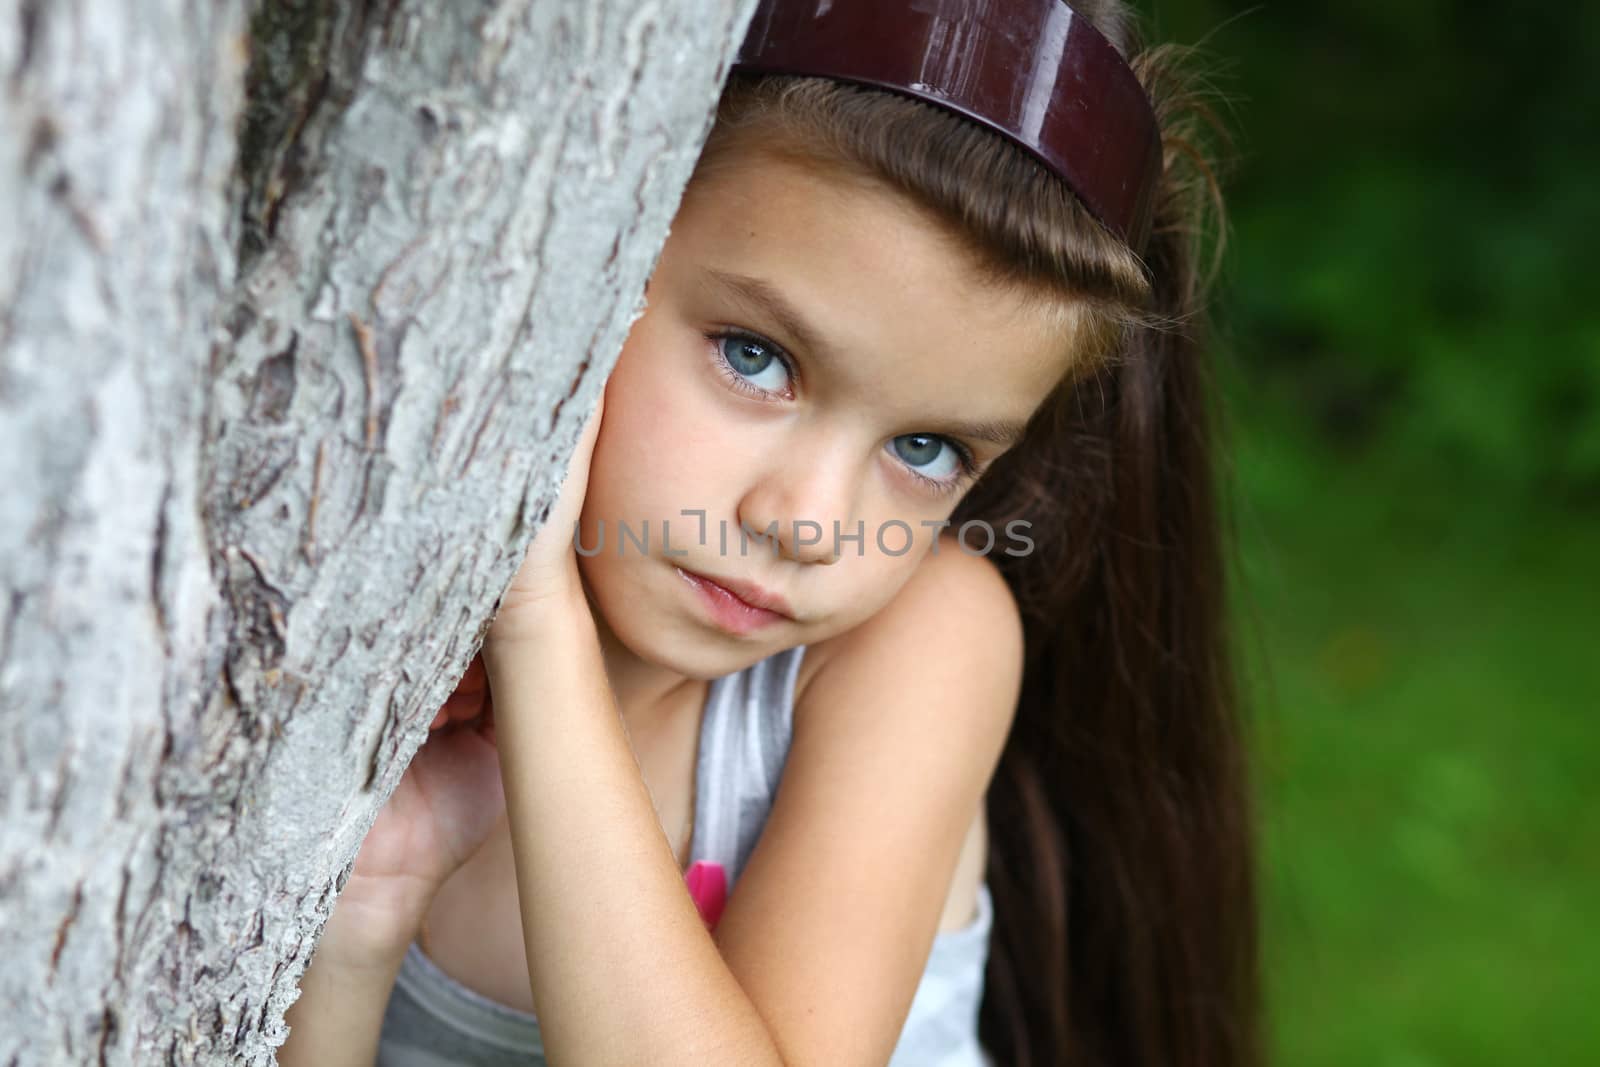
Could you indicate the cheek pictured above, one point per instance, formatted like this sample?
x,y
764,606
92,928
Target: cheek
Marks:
x,y
858,587
661,449
626,479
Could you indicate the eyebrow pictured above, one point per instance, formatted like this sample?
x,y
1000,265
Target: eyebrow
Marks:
x,y
764,296
1002,432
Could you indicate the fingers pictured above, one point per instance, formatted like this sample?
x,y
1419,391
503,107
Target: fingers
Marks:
x,y
578,466
476,677
470,698
487,728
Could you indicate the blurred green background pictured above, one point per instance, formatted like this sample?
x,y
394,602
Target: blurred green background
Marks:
x,y
1409,337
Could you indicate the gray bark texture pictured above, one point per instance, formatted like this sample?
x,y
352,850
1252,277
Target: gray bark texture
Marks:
x,y
302,306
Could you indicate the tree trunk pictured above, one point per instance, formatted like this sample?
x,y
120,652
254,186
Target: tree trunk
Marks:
x,y
302,307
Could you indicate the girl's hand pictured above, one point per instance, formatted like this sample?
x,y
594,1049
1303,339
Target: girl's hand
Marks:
x,y
452,797
548,579
445,807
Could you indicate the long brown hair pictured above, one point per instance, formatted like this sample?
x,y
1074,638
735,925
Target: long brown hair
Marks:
x,y
1121,857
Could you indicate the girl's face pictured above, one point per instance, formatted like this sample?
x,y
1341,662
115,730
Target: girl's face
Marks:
x,y
814,354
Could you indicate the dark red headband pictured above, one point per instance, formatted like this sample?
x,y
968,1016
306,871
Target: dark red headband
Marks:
x,y
1033,70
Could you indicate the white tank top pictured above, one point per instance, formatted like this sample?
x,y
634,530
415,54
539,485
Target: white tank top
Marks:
x,y
434,1021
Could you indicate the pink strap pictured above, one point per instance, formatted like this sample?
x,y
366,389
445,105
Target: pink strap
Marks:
x,y
708,888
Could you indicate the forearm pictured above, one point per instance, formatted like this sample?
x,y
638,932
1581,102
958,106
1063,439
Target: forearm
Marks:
x,y
343,994
623,969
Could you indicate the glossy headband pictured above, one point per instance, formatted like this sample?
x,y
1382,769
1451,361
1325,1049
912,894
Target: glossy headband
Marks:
x,y
1033,70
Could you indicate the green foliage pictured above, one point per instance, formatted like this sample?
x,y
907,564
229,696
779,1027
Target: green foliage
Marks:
x,y
1412,215
1422,690
1410,346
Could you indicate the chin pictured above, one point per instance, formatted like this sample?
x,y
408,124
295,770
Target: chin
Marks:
x,y
684,649
633,613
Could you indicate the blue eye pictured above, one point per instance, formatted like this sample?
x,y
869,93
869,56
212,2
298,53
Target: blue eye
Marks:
x,y
931,458
752,363
761,369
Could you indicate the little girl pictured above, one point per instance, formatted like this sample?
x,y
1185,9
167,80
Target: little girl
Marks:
x,y
863,698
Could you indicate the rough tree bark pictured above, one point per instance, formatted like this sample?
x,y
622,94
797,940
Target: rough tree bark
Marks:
x,y
301,308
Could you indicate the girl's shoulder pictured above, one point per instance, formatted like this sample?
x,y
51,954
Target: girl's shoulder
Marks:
x,y
862,858
962,594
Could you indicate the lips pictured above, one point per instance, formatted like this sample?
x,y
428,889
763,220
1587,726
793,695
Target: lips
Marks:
x,y
749,593
725,605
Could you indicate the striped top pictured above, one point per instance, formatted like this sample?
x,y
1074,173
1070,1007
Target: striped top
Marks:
x,y
433,1021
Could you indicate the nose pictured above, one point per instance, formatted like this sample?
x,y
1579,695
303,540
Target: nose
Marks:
x,y
802,502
